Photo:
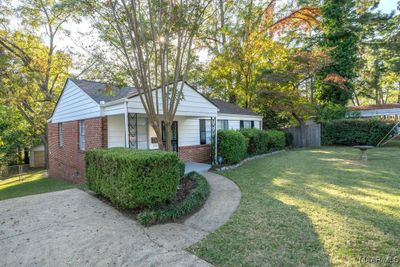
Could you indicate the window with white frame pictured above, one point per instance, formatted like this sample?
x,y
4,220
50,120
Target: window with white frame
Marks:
x,y
205,131
82,135
223,125
60,134
246,124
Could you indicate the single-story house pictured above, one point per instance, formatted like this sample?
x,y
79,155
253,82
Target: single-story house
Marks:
x,y
384,111
92,115
37,156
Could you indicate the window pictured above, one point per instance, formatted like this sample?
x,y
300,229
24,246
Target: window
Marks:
x,y
82,135
60,134
205,131
246,124
223,125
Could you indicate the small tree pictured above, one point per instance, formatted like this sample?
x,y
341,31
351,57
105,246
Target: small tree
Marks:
x,y
153,42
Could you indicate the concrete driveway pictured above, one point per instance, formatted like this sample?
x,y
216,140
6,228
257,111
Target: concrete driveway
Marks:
x,y
74,228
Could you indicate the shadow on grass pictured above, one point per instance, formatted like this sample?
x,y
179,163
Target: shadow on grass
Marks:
x,y
38,186
311,207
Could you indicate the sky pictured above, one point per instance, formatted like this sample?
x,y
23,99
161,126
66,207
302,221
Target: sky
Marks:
x,y
81,36
387,6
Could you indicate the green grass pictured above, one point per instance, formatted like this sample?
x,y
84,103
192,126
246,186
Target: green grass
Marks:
x,y
311,207
31,183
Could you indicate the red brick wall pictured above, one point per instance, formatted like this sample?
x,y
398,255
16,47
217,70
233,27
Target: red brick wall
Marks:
x,y
199,153
68,162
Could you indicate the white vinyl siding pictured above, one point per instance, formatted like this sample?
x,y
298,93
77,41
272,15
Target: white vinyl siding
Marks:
x,y
234,120
116,131
74,104
192,104
142,129
223,124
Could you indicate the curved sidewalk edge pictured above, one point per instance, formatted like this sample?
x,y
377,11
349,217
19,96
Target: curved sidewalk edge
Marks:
x,y
224,199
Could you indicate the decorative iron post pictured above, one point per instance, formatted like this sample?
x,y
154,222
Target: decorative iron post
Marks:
x,y
213,139
133,130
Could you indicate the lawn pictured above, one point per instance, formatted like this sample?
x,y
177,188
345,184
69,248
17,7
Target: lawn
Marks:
x,y
31,183
312,207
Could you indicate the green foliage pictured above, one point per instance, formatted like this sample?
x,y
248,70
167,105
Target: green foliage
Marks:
x,y
379,59
234,146
196,198
134,178
350,132
340,39
276,140
288,139
231,146
259,142
331,111
15,135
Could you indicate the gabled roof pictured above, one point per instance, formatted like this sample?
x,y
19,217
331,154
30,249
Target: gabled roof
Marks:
x,y
229,108
374,107
99,92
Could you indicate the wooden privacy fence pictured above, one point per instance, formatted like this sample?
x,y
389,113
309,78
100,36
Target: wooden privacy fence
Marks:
x,y
307,136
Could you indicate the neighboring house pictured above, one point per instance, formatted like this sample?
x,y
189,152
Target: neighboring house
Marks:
x,y
384,111
92,115
37,156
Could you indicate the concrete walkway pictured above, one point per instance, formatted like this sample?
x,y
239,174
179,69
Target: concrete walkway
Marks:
x,y
196,167
73,228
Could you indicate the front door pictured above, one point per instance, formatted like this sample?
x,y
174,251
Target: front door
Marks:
x,y
174,135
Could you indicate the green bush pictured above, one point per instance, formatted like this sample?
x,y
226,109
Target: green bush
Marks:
x,y
232,146
288,139
134,178
276,140
196,198
258,141
350,132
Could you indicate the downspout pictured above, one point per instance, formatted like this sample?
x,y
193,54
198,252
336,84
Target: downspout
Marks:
x,y
126,125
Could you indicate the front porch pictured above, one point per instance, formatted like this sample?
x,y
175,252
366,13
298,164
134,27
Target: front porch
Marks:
x,y
134,131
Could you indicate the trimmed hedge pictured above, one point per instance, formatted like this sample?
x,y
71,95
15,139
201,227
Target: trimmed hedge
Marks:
x,y
231,146
350,132
134,178
260,142
190,204
276,140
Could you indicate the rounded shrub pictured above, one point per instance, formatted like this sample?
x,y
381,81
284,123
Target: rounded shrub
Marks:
x,y
193,201
232,146
251,135
276,140
134,178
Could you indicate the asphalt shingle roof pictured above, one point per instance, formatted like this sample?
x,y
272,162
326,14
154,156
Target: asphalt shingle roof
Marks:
x,y
229,108
98,91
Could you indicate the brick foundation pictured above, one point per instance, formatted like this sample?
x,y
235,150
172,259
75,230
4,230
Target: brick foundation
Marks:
x,y
68,162
199,153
